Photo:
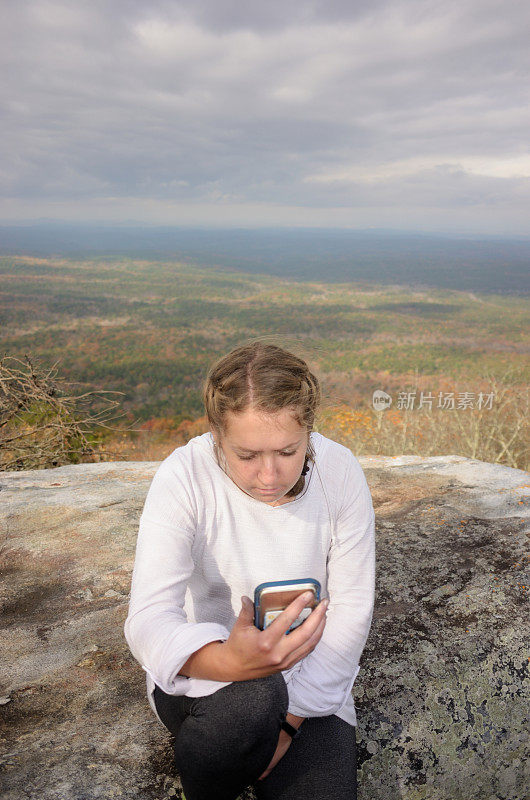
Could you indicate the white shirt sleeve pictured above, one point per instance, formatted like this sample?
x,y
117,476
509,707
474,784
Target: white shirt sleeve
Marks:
x,y
323,682
156,629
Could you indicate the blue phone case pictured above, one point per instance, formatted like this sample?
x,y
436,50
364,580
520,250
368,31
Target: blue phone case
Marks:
x,y
261,586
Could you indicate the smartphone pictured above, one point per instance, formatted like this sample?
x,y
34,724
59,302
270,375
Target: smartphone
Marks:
x,y
273,597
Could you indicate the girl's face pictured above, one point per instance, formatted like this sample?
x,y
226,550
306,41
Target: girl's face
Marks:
x,y
263,453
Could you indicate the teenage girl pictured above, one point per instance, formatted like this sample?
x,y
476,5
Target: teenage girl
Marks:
x,y
260,497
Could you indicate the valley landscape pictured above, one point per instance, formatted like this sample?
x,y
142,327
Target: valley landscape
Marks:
x,y
149,329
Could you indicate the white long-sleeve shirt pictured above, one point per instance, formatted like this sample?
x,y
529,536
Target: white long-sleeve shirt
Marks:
x,y
203,543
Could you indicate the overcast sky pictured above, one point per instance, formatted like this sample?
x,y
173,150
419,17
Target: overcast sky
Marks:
x,y
405,114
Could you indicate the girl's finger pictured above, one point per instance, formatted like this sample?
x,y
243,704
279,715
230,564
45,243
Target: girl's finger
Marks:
x,y
283,621
308,645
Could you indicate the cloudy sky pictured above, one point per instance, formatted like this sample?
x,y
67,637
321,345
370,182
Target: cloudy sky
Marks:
x,y
407,114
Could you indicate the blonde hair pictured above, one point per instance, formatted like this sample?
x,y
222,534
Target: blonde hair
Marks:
x,y
267,378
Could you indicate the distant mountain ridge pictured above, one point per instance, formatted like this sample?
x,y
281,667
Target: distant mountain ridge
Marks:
x,y
487,264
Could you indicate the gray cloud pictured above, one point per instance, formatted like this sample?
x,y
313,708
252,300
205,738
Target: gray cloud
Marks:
x,y
405,104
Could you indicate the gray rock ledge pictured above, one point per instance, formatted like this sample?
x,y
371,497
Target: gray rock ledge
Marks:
x,y
443,693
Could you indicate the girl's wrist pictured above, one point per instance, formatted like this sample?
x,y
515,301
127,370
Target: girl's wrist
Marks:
x,y
210,662
293,720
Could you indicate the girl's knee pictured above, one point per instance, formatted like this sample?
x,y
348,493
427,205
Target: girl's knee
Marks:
x,y
240,714
232,734
269,694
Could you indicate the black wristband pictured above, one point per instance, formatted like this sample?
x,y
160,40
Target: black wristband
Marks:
x,y
291,730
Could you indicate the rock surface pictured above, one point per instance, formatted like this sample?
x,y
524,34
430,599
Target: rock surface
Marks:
x,y
443,692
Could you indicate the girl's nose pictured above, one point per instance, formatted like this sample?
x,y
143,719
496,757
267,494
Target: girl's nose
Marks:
x,y
267,471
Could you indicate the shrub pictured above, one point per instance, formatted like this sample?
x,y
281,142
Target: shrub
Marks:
x,y
43,424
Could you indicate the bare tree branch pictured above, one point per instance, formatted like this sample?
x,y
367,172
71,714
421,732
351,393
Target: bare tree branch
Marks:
x,y
44,424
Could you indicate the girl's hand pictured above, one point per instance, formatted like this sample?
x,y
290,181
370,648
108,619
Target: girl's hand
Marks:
x,y
250,653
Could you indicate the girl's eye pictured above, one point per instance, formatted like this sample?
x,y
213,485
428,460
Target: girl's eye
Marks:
x,y
249,458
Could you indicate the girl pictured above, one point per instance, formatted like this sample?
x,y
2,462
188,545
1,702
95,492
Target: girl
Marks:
x,y
260,497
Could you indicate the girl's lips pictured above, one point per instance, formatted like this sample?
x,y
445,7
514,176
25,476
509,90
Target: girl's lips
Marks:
x,y
268,491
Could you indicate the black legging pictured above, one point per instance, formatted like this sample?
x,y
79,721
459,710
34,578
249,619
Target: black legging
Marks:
x,y
223,742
